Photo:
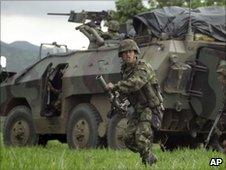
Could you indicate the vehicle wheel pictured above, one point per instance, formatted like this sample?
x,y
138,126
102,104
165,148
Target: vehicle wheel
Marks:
x,y
19,128
116,131
82,129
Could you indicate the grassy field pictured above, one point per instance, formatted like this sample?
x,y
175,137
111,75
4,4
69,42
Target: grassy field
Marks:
x,y
57,156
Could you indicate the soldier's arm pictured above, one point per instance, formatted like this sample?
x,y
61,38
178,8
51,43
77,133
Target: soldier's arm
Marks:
x,y
84,30
98,38
106,36
135,82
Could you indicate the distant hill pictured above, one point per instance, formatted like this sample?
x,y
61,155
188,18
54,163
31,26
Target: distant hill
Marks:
x,y
19,54
24,45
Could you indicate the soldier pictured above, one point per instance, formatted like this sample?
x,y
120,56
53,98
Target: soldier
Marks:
x,y
222,78
54,88
137,80
93,34
113,31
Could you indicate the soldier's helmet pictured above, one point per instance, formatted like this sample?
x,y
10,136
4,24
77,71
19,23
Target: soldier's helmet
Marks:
x,y
113,26
127,45
222,67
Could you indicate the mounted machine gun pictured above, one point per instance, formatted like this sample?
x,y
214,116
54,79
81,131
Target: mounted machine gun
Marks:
x,y
90,29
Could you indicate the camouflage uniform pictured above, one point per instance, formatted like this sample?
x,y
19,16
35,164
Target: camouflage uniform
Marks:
x,y
135,82
222,77
93,34
113,31
54,88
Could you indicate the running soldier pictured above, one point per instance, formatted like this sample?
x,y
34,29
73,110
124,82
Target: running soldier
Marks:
x,y
138,81
222,78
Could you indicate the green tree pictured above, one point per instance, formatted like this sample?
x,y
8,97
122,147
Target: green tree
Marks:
x,y
215,2
194,3
163,3
126,9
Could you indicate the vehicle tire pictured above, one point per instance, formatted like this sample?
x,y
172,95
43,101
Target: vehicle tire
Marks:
x,y
82,128
19,128
116,131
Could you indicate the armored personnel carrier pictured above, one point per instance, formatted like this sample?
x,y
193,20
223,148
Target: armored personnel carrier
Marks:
x,y
59,97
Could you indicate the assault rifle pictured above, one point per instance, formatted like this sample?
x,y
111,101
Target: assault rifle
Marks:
x,y
120,105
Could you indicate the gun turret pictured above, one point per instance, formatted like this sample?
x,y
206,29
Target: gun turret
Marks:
x,y
90,29
95,17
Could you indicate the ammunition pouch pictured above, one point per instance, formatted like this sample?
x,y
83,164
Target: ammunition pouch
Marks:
x,y
147,96
151,95
137,97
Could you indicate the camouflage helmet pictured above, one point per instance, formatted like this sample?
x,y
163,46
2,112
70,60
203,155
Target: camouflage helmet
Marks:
x,y
222,67
126,45
113,26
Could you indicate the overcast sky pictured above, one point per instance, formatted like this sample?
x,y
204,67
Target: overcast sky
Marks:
x,y
28,21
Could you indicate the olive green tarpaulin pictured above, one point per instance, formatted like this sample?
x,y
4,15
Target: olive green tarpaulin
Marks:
x,y
174,21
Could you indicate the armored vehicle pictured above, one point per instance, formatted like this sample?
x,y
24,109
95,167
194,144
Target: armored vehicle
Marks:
x,y
59,97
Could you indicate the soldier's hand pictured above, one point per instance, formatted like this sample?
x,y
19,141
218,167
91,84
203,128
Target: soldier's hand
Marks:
x,y
110,86
79,27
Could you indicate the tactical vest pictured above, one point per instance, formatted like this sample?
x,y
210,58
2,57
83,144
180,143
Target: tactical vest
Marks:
x,y
147,95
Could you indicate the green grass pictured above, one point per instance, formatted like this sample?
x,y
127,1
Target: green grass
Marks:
x,y
56,156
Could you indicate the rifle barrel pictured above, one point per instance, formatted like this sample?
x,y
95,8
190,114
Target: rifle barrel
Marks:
x,y
67,14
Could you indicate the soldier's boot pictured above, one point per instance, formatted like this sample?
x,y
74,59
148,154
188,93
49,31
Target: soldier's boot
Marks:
x,y
150,159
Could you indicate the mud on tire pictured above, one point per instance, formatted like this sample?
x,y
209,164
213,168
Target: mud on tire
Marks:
x,y
82,128
19,128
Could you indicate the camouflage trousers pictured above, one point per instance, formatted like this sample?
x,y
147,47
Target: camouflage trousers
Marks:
x,y
139,135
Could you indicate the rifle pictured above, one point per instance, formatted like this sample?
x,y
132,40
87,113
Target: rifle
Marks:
x,y
81,17
120,105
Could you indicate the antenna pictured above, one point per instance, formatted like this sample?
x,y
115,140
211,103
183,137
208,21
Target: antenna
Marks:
x,y
189,36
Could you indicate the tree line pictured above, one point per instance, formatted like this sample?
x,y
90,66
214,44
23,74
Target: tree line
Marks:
x,y
126,9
